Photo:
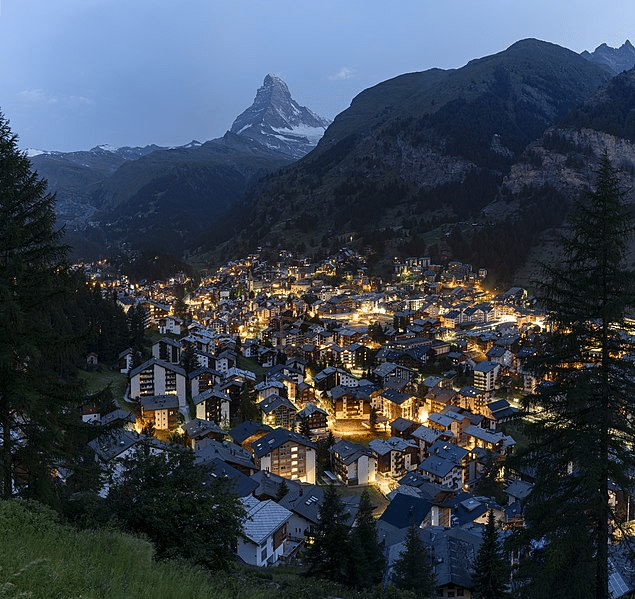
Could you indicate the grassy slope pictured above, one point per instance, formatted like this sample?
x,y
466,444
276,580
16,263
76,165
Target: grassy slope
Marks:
x,y
43,559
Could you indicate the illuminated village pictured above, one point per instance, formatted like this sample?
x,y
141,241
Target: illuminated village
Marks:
x,y
289,376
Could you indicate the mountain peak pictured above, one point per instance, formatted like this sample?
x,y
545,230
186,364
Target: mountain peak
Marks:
x,y
616,59
276,120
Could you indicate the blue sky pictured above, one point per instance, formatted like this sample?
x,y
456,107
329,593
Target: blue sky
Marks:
x,y
78,73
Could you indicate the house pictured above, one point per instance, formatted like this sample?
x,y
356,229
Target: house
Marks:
x,y
389,370
286,454
395,456
246,433
316,418
125,360
278,411
156,377
442,471
403,427
350,403
264,537
202,379
209,450
212,404
161,411
170,324
167,350
394,404
198,429
426,437
352,463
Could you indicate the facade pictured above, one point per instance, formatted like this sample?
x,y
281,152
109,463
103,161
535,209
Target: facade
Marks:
x,y
287,454
352,463
155,377
162,411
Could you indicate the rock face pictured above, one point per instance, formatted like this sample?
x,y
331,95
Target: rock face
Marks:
x,y
617,59
278,122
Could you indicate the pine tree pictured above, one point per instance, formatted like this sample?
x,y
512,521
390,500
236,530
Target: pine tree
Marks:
x,y
491,568
36,341
366,557
413,570
582,426
327,555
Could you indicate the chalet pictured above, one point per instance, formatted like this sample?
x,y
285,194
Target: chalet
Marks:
x,y
393,404
213,405
246,433
395,456
316,418
198,429
170,324
167,350
203,379
264,538
278,411
125,361
350,403
352,463
389,370
161,411
286,454
403,427
426,437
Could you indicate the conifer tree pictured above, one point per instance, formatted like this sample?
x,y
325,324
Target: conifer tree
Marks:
x,y
327,555
413,570
582,417
491,568
366,557
36,395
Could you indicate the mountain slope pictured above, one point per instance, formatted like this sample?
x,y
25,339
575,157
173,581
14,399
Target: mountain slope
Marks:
x,y
159,197
416,153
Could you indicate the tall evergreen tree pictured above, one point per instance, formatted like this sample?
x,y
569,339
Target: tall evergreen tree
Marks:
x,y
582,425
327,555
491,575
366,557
413,570
36,395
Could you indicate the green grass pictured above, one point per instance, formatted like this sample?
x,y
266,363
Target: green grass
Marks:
x,y
102,376
44,559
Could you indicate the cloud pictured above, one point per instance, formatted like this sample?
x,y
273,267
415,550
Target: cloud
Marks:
x,y
342,73
37,96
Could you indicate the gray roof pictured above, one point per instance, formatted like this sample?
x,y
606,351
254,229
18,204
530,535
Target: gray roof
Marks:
x,y
272,402
159,402
263,518
350,452
278,437
426,434
114,443
437,466
208,394
198,428
246,429
161,363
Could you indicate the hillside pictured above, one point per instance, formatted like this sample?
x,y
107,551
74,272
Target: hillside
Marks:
x,y
414,155
42,558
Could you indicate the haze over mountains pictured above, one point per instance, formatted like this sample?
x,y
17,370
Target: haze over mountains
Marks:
x,y
474,163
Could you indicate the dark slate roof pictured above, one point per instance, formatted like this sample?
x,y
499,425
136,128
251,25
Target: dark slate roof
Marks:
x,y
437,466
152,362
404,509
240,483
272,402
395,397
246,429
350,452
448,451
159,402
198,428
278,437
402,424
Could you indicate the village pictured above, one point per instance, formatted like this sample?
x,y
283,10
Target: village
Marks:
x,y
288,376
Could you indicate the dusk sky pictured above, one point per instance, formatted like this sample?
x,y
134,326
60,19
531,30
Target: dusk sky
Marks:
x,y
78,73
